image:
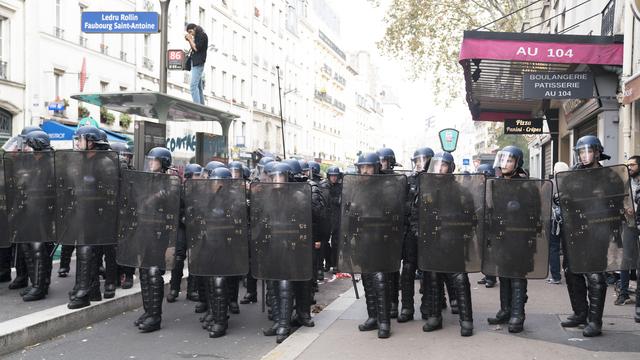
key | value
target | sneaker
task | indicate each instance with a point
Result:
(554, 281)
(623, 299)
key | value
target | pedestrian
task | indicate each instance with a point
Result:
(198, 43)
(629, 234)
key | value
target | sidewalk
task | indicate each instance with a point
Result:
(336, 332)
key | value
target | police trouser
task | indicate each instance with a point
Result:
(38, 258)
(591, 286)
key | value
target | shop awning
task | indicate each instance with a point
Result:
(61, 132)
(494, 64)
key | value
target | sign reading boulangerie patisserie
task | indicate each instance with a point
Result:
(527, 126)
(557, 85)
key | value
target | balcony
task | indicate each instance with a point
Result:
(123, 56)
(82, 41)
(3, 70)
(104, 48)
(58, 32)
(147, 63)
(608, 19)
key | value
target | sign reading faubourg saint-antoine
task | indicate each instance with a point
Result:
(529, 126)
(557, 85)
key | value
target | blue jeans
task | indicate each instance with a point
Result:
(554, 256)
(197, 92)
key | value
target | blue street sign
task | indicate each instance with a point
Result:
(465, 162)
(119, 22)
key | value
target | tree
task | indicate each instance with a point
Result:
(426, 34)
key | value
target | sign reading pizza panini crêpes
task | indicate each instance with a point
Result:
(557, 85)
(518, 126)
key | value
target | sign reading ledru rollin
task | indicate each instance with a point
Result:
(557, 85)
(119, 22)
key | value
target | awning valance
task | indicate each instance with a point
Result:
(494, 64)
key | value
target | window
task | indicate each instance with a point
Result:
(57, 82)
(265, 96)
(223, 84)
(213, 31)
(201, 16)
(4, 47)
(123, 88)
(187, 11)
(234, 88)
(242, 91)
(58, 10)
(254, 90)
(104, 86)
(225, 41)
(273, 95)
(146, 46)
(243, 47)
(272, 17)
(213, 80)
(234, 39)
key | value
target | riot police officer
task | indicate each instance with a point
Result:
(588, 152)
(332, 186)
(421, 160)
(233, 282)
(125, 155)
(513, 291)
(443, 163)
(376, 285)
(488, 281)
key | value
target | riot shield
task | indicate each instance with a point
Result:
(4, 226)
(518, 216)
(217, 227)
(450, 222)
(372, 223)
(281, 242)
(86, 197)
(149, 205)
(30, 195)
(597, 208)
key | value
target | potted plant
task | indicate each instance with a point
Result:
(125, 120)
(103, 114)
(83, 112)
(110, 119)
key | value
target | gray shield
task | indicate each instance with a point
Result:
(518, 216)
(372, 223)
(217, 227)
(4, 226)
(594, 205)
(31, 196)
(148, 215)
(281, 242)
(86, 197)
(450, 225)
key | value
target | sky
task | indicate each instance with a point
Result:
(361, 25)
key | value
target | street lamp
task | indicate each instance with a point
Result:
(164, 28)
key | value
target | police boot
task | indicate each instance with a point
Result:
(302, 292)
(233, 286)
(518, 299)
(200, 294)
(22, 275)
(383, 304)
(597, 294)
(637, 315)
(220, 322)
(84, 278)
(5, 265)
(65, 260)
(393, 284)
(451, 293)
(370, 299)
(210, 298)
(578, 298)
(275, 312)
(156, 282)
(29, 261)
(463, 292)
(96, 264)
(433, 293)
(407, 284)
(252, 291)
(111, 271)
(192, 288)
(145, 291)
(40, 272)
(503, 315)
(176, 280)
(285, 300)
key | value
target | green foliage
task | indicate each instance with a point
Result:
(125, 120)
(83, 112)
(427, 34)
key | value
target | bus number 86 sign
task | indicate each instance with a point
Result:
(175, 59)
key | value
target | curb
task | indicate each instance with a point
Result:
(27, 330)
(302, 338)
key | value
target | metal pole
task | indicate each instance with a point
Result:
(284, 151)
(164, 29)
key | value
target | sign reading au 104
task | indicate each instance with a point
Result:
(119, 22)
(557, 85)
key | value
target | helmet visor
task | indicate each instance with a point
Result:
(16, 143)
(152, 164)
(421, 162)
(278, 176)
(584, 155)
(506, 162)
(439, 166)
(236, 173)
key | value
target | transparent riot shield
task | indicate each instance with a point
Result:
(518, 216)
(4, 226)
(597, 209)
(149, 205)
(450, 222)
(372, 223)
(30, 195)
(281, 241)
(217, 227)
(87, 185)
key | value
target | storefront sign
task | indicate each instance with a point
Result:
(449, 139)
(519, 127)
(557, 85)
(631, 90)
